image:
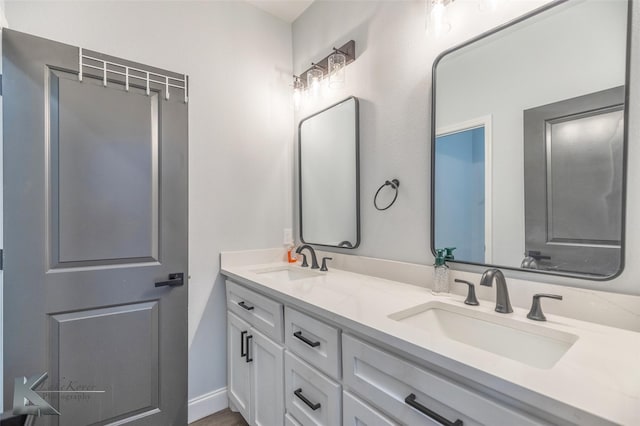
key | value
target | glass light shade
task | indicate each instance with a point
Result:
(296, 98)
(314, 78)
(337, 63)
(297, 92)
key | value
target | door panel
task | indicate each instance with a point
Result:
(95, 212)
(107, 147)
(80, 340)
(573, 167)
(584, 179)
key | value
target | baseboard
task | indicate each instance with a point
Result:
(207, 404)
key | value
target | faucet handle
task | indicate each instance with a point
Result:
(304, 260)
(471, 295)
(536, 309)
(324, 263)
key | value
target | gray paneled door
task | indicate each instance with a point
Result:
(574, 168)
(95, 213)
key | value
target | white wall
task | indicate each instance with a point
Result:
(240, 129)
(392, 78)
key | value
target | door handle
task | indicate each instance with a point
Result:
(175, 280)
(245, 306)
(242, 350)
(248, 357)
(298, 334)
(537, 255)
(411, 401)
(312, 405)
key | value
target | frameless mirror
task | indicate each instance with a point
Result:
(329, 176)
(529, 142)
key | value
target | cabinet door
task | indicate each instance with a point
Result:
(238, 368)
(267, 380)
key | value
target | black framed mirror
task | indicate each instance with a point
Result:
(328, 176)
(529, 141)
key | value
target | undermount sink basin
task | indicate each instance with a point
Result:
(286, 273)
(529, 344)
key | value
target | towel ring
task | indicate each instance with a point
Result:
(395, 184)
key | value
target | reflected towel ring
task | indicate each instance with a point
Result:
(395, 184)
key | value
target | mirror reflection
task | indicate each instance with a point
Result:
(528, 146)
(328, 176)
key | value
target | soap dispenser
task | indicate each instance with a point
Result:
(440, 274)
(448, 255)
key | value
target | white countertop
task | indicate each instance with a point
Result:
(597, 379)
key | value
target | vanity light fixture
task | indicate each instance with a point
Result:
(437, 17)
(337, 62)
(332, 66)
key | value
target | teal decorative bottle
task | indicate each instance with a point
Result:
(440, 274)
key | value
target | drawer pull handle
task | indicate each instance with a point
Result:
(242, 350)
(245, 306)
(248, 359)
(298, 393)
(299, 335)
(411, 401)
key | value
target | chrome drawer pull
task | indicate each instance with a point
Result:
(245, 306)
(298, 393)
(299, 335)
(411, 401)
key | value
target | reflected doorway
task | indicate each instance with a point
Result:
(462, 186)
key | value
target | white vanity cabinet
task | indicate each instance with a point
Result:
(255, 371)
(287, 367)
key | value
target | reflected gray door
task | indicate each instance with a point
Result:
(95, 213)
(573, 169)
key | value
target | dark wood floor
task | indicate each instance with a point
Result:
(222, 418)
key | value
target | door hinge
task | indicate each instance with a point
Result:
(0, 84)
(1, 260)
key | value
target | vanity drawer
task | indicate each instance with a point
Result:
(310, 397)
(407, 392)
(316, 342)
(258, 310)
(357, 413)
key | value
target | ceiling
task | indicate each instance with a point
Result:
(287, 10)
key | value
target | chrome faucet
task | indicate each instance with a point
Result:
(503, 305)
(314, 259)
